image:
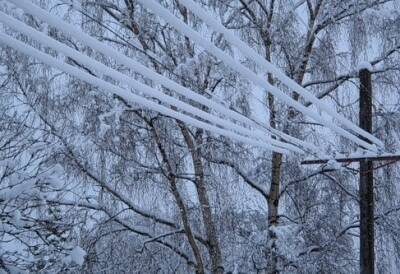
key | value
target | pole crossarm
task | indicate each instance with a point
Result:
(355, 158)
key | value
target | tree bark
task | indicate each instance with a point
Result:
(273, 196)
(209, 225)
(276, 161)
(273, 204)
(179, 201)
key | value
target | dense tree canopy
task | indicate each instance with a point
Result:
(93, 183)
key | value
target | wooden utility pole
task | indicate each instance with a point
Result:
(366, 184)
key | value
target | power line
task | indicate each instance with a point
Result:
(95, 65)
(273, 131)
(198, 38)
(103, 85)
(139, 68)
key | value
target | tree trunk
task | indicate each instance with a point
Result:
(186, 226)
(276, 162)
(209, 225)
(181, 206)
(273, 203)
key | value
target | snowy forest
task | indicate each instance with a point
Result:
(167, 136)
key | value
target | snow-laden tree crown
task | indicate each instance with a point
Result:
(147, 136)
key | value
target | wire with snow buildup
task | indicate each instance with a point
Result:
(101, 68)
(105, 86)
(137, 67)
(238, 67)
(269, 67)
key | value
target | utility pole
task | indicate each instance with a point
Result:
(366, 183)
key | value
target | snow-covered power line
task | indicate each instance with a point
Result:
(32, 9)
(108, 87)
(236, 66)
(116, 75)
(269, 67)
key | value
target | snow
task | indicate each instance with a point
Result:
(83, 59)
(288, 240)
(14, 270)
(6, 6)
(76, 5)
(77, 256)
(55, 176)
(359, 153)
(17, 219)
(14, 191)
(248, 52)
(36, 11)
(107, 87)
(103, 126)
(363, 154)
(333, 164)
(95, 44)
(385, 14)
(365, 65)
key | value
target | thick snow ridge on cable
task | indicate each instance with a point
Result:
(157, 78)
(99, 67)
(236, 66)
(228, 60)
(139, 68)
(105, 86)
(269, 67)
